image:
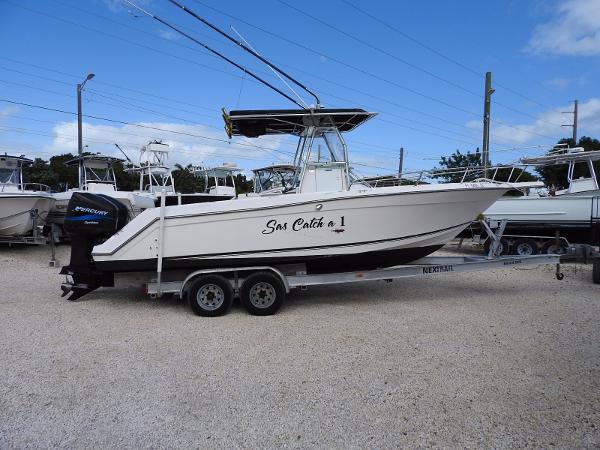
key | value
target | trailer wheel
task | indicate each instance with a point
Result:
(596, 271)
(210, 295)
(262, 294)
(550, 247)
(503, 250)
(525, 247)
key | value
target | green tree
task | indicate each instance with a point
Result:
(242, 184)
(65, 177)
(185, 180)
(39, 172)
(451, 169)
(556, 176)
(126, 181)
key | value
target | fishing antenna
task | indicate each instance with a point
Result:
(246, 48)
(117, 145)
(272, 70)
(220, 55)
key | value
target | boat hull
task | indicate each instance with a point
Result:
(16, 212)
(575, 217)
(331, 231)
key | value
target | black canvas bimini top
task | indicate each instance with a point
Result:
(254, 123)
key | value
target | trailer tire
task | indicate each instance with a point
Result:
(503, 246)
(262, 293)
(596, 271)
(525, 247)
(210, 295)
(550, 247)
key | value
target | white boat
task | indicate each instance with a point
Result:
(325, 224)
(22, 205)
(156, 177)
(219, 182)
(574, 211)
(97, 175)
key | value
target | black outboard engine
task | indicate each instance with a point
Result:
(90, 220)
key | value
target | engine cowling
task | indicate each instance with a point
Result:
(96, 215)
(90, 219)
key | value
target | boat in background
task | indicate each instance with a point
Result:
(274, 179)
(23, 206)
(219, 182)
(532, 220)
(96, 175)
(156, 177)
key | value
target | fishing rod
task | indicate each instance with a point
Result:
(220, 55)
(246, 48)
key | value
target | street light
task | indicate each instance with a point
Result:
(79, 123)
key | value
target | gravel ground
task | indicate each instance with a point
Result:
(508, 358)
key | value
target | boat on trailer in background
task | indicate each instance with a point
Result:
(96, 175)
(24, 207)
(533, 220)
(156, 177)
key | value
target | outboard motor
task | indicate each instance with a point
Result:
(90, 220)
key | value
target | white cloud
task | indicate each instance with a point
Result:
(8, 111)
(574, 31)
(116, 6)
(168, 34)
(546, 126)
(186, 144)
(564, 82)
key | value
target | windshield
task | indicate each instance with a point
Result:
(9, 176)
(335, 147)
(266, 180)
(103, 175)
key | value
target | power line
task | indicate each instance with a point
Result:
(436, 52)
(149, 127)
(379, 49)
(395, 57)
(350, 66)
(340, 62)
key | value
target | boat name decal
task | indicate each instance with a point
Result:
(438, 269)
(304, 224)
(90, 210)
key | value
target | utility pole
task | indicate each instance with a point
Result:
(486, 122)
(401, 162)
(80, 125)
(574, 124)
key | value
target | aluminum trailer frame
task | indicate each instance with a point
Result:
(430, 266)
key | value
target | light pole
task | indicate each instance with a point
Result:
(79, 123)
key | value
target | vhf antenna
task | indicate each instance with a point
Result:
(117, 145)
(272, 70)
(220, 55)
(248, 49)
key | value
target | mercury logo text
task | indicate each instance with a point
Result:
(90, 210)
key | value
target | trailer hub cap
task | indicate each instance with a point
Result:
(262, 295)
(210, 297)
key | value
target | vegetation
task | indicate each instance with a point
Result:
(556, 176)
(451, 169)
(60, 177)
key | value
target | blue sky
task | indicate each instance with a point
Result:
(420, 65)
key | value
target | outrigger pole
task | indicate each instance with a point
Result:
(220, 55)
(248, 49)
